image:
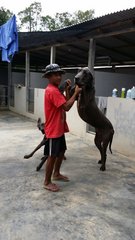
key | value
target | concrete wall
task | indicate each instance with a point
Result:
(105, 82)
(20, 105)
(36, 80)
(18, 78)
(121, 112)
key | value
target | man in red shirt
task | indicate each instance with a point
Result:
(55, 105)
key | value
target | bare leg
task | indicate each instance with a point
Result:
(56, 175)
(49, 169)
(38, 147)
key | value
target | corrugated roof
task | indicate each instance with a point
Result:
(39, 39)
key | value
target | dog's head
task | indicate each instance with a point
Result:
(84, 78)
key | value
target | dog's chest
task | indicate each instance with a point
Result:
(82, 107)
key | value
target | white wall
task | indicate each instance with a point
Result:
(20, 105)
(121, 112)
(18, 78)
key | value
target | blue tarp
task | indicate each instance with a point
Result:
(9, 39)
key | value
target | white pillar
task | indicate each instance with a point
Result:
(91, 55)
(52, 54)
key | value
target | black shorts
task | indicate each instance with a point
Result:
(55, 146)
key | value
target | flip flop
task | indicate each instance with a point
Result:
(52, 187)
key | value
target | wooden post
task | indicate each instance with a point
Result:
(52, 54)
(91, 55)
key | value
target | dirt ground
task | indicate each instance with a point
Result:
(94, 205)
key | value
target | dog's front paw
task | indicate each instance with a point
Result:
(99, 162)
(103, 168)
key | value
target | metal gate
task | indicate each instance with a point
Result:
(3, 96)
(30, 100)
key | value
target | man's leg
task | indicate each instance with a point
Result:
(57, 175)
(49, 169)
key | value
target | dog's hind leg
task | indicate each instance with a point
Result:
(98, 141)
(104, 156)
(105, 141)
(43, 159)
(37, 148)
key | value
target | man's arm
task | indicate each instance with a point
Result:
(71, 101)
(67, 89)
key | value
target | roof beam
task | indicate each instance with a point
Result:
(113, 50)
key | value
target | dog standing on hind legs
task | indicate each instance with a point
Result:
(90, 113)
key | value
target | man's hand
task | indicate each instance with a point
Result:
(68, 84)
(77, 90)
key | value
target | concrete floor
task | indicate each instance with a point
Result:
(94, 205)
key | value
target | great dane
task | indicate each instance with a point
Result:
(90, 113)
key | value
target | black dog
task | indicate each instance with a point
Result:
(40, 126)
(90, 113)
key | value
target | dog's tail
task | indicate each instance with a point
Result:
(39, 123)
(110, 143)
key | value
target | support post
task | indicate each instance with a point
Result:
(52, 54)
(27, 76)
(9, 82)
(91, 55)
(27, 69)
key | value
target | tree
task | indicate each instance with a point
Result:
(48, 23)
(81, 16)
(5, 14)
(65, 19)
(30, 17)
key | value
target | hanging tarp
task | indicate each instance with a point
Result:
(9, 39)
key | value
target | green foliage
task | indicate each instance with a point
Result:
(5, 14)
(65, 19)
(81, 16)
(30, 17)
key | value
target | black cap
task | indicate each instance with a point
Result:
(52, 68)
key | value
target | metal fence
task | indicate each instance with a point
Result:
(12, 96)
(30, 100)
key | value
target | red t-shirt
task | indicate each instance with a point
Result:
(55, 124)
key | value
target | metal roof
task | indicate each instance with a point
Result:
(115, 42)
(119, 21)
